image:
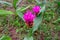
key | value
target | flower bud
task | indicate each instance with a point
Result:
(29, 18)
(36, 9)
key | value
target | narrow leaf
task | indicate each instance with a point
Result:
(20, 14)
(4, 12)
(42, 9)
(38, 1)
(58, 3)
(28, 38)
(20, 10)
(19, 2)
(23, 8)
(14, 3)
(6, 3)
(37, 22)
(5, 37)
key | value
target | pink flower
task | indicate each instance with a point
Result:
(29, 17)
(36, 9)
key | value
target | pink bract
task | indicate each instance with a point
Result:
(36, 9)
(28, 16)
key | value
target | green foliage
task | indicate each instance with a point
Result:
(48, 16)
(5, 37)
(57, 28)
(58, 10)
(16, 23)
(42, 9)
(41, 2)
(6, 3)
(20, 14)
(29, 0)
(37, 22)
(57, 21)
(38, 1)
(20, 10)
(45, 28)
(18, 2)
(19, 30)
(4, 12)
(14, 3)
(28, 38)
(58, 3)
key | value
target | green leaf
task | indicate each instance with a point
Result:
(23, 8)
(42, 9)
(5, 37)
(57, 28)
(56, 21)
(20, 10)
(16, 23)
(14, 3)
(20, 14)
(37, 22)
(6, 3)
(4, 12)
(58, 3)
(28, 38)
(38, 1)
(18, 2)
(17, 30)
